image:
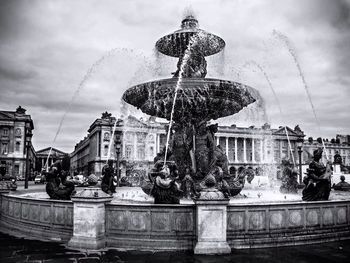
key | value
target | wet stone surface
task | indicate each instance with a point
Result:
(22, 250)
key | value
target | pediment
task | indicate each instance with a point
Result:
(54, 151)
(282, 131)
(134, 122)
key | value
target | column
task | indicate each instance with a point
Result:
(89, 219)
(253, 151)
(236, 152)
(217, 140)
(244, 150)
(227, 147)
(281, 151)
(261, 151)
(157, 143)
(135, 146)
(211, 224)
(124, 146)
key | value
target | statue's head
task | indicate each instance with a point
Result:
(342, 178)
(318, 153)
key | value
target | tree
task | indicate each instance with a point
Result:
(310, 140)
(319, 140)
(332, 140)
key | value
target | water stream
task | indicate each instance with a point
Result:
(88, 74)
(285, 40)
(192, 42)
(255, 64)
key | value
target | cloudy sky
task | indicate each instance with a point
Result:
(76, 58)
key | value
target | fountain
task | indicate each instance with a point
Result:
(191, 165)
(189, 101)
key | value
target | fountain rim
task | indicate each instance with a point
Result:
(191, 80)
(209, 52)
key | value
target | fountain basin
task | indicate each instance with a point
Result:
(252, 222)
(198, 98)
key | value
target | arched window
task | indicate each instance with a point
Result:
(106, 150)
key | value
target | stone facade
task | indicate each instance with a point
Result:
(13, 145)
(343, 149)
(141, 140)
(42, 155)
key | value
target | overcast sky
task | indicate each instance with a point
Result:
(47, 48)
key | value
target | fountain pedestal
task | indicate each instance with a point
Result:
(89, 219)
(211, 217)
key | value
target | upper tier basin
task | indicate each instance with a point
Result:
(197, 98)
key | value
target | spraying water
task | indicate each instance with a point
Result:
(178, 84)
(253, 63)
(88, 74)
(291, 50)
(111, 141)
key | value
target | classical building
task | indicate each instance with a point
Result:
(141, 140)
(42, 155)
(15, 143)
(332, 148)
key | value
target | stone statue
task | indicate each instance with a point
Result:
(203, 150)
(165, 189)
(107, 183)
(342, 185)
(337, 158)
(192, 65)
(57, 186)
(289, 178)
(180, 146)
(318, 179)
(237, 183)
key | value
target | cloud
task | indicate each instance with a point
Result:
(47, 48)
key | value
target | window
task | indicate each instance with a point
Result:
(151, 151)
(128, 152)
(5, 132)
(106, 150)
(141, 153)
(106, 136)
(18, 146)
(16, 169)
(4, 148)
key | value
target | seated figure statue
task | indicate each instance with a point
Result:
(57, 186)
(165, 189)
(318, 179)
(342, 185)
(289, 178)
(107, 183)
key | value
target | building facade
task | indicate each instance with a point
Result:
(16, 150)
(43, 159)
(141, 140)
(332, 148)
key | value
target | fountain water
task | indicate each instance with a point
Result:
(191, 100)
(292, 52)
(253, 63)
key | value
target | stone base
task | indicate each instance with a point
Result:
(220, 247)
(86, 243)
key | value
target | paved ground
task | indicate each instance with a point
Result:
(21, 250)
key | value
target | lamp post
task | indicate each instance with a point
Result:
(117, 148)
(28, 135)
(300, 142)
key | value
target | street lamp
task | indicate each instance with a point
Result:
(300, 142)
(28, 135)
(118, 143)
